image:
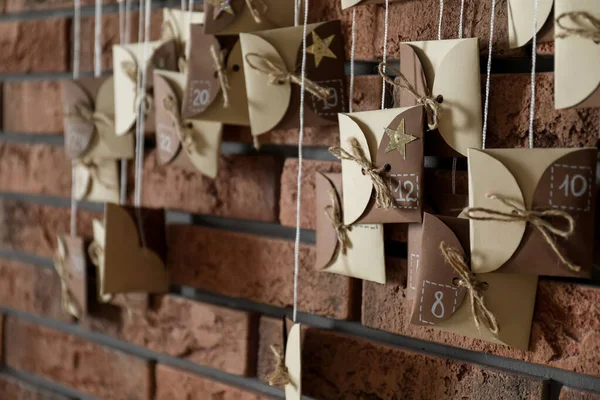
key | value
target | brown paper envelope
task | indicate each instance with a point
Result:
(160, 55)
(277, 14)
(536, 179)
(366, 258)
(293, 362)
(440, 304)
(203, 97)
(352, 3)
(404, 176)
(88, 139)
(449, 68)
(206, 135)
(74, 275)
(277, 105)
(97, 181)
(520, 22)
(451, 205)
(414, 257)
(135, 250)
(176, 25)
(577, 60)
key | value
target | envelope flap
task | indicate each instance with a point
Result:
(206, 136)
(125, 85)
(405, 152)
(79, 131)
(350, 3)
(293, 363)
(411, 68)
(176, 24)
(98, 230)
(220, 17)
(327, 243)
(168, 143)
(72, 250)
(487, 176)
(520, 17)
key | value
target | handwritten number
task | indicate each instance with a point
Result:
(577, 185)
(438, 304)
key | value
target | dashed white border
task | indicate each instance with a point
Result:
(410, 270)
(418, 192)
(343, 99)
(590, 187)
(423, 295)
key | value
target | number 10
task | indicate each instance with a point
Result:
(576, 189)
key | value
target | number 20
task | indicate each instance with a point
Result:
(572, 184)
(200, 97)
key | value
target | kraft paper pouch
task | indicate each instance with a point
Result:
(443, 303)
(274, 103)
(520, 22)
(176, 26)
(374, 131)
(576, 71)
(450, 69)
(190, 144)
(539, 180)
(70, 264)
(215, 88)
(127, 59)
(230, 17)
(134, 251)
(364, 257)
(96, 180)
(352, 3)
(88, 106)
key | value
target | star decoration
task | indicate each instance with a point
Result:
(220, 6)
(320, 48)
(399, 139)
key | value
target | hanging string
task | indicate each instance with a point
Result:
(124, 24)
(533, 62)
(440, 19)
(127, 22)
(352, 57)
(297, 6)
(385, 40)
(76, 62)
(121, 21)
(462, 15)
(488, 76)
(182, 5)
(299, 187)
(190, 11)
(98, 40)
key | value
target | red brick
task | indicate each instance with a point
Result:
(13, 389)
(31, 289)
(270, 332)
(34, 46)
(574, 394)
(11, 6)
(204, 334)
(32, 107)
(257, 268)
(71, 361)
(172, 383)
(565, 332)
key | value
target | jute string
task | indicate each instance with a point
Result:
(592, 32)
(69, 303)
(383, 194)
(257, 8)
(334, 213)
(431, 104)
(280, 377)
(481, 314)
(80, 111)
(219, 60)
(540, 219)
(183, 129)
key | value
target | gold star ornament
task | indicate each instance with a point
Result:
(399, 139)
(320, 48)
(220, 6)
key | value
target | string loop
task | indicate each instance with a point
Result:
(591, 32)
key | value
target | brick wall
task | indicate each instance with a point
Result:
(231, 247)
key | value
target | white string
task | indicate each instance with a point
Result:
(297, 6)
(460, 36)
(462, 15)
(182, 5)
(440, 20)
(121, 21)
(487, 78)
(98, 40)
(190, 11)
(533, 62)
(352, 57)
(123, 32)
(385, 40)
(127, 22)
(76, 49)
(299, 187)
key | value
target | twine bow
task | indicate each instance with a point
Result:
(255, 11)
(96, 254)
(589, 32)
(81, 111)
(69, 302)
(183, 129)
(383, 193)
(219, 60)
(539, 219)
(431, 104)
(481, 314)
(334, 212)
(278, 75)
(131, 71)
(280, 377)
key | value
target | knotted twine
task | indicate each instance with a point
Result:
(280, 377)
(334, 213)
(92, 167)
(481, 314)
(80, 111)
(591, 32)
(539, 219)
(219, 60)
(131, 71)
(431, 104)
(183, 129)
(383, 194)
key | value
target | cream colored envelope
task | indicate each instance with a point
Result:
(293, 362)
(92, 137)
(176, 25)
(520, 22)
(70, 264)
(98, 248)
(126, 61)
(577, 59)
(204, 147)
(535, 179)
(239, 18)
(96, 181)
(352, 3)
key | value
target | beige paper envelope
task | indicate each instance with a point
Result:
(176, 25)
(206, 135)
(538, 179)
(293, 362)
(414, 258)
(99, 235)
(577, 60)
(520, 22)
(71, 267)
(352, 3)
(273, 14)
(97, 181)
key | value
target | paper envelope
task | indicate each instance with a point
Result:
(537, 179)
(365, 259)
(352, 3)
(520, 22)
(96, 180)
(293, 362)
(203, 97)
(135, 250)
(405, 174)
(272, 14)
(71, 265)
(441, 304)
(88, 106)
(415, 232)
(126, 61)
(450, 69)
(204, 147)
(577, 59)
(276, 104)
(176, 26)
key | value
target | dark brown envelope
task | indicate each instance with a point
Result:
(242, 20)
(415, 233)
(75, 273)
(450, 205)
